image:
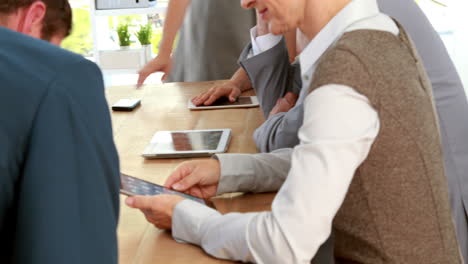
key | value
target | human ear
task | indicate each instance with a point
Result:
(33, 19)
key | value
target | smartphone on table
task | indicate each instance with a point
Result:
(126, 105)
(133, 186)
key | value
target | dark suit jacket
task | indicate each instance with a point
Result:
(59, 169)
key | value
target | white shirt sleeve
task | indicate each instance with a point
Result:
(339, 128)
(262, 43)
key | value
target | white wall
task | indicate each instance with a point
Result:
(459, 54)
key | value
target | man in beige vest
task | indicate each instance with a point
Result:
(369, 164)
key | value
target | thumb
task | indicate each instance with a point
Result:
(233, 95)
(186, 183)
(140, 202)
(182, 171)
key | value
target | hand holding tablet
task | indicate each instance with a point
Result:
(133, 186)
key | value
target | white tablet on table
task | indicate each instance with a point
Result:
(187, 143)
(223, 102)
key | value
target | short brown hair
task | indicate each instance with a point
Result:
(57, 20)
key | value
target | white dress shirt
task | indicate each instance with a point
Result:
(339, 128)
(262, 43)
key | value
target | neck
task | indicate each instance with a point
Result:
(12, 20)
(317, 14)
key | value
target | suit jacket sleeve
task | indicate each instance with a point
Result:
(280, 130)
(262, 172)
(272, 76)
(269, 73)
(68, 203)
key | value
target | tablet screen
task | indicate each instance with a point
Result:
(133, 186)
(242, 100)
(186, 141)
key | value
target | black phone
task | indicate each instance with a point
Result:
(133, 186)
(126, 104)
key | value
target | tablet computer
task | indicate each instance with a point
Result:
(187, 143)
(223, 102)
(133, 186)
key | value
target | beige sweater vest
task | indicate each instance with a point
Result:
(396, 209)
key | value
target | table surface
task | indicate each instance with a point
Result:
(164, 107)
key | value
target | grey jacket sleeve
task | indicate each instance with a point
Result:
(263, 172)
(280, 130)
(270, 73)
(272, 76)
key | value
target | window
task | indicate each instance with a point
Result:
(80, 41)
(449, 19)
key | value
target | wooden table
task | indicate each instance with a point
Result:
(164, 107)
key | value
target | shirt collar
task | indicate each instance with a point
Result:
(354, 12)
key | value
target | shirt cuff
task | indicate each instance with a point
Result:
(237, 173)
(264, 42)
(187, 220)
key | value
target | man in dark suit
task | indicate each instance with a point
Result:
(59, 169)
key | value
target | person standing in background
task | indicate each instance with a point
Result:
(213, 34)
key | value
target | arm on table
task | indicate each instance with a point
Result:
(269, 72)
(239, 172)
(280, 130)
(69, 203)
(240, 80)
(322, 169)
(238, 83)
(273, 76)
(263, 172)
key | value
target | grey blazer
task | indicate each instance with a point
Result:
(280, 131)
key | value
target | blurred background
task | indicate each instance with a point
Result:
(95, 31)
